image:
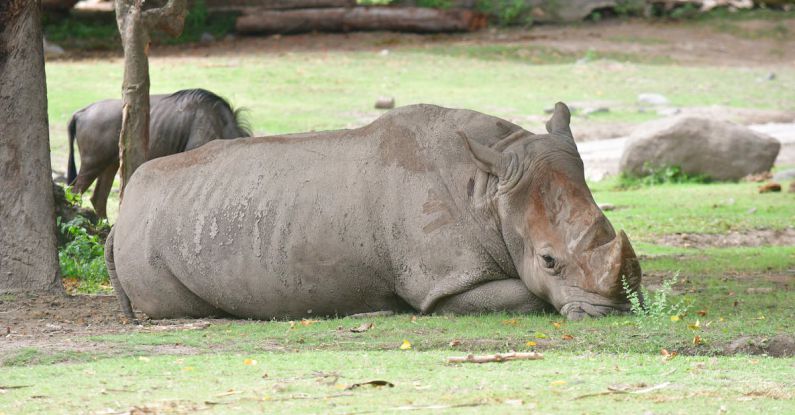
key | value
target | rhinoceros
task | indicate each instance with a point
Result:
(178, 122)
(427, 209)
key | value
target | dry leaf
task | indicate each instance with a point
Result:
(454, 343)
(362, 328)
(229, 393)
(307, 323)
(668, 355)
(701, 313)
(414, 319)
(540, 335)
(567, 337)
(674, 318)
(144, 358)
(250, 362)
(406, 345)
(187, 368)
(697, 341)
(531, 343)
(694, 326)
(556, 324)
(292, 324)
(558, 383)
(510, 322)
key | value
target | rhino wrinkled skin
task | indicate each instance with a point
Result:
(426, 209)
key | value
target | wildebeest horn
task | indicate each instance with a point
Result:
(559, 123)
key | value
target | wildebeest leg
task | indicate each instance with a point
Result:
(99, 199)
(502, 295)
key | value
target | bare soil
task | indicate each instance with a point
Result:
(753, 238)
(52, 324)
(754, 43)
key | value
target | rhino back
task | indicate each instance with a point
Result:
(332, 222)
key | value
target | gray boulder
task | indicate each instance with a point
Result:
(718, 149)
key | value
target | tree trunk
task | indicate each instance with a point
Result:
(401, 19)
(135, 25)
(28, 255)
(276, 4)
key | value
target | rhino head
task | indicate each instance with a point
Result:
(563, 247)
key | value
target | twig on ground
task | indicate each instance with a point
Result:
(499, 357)
(616, 390)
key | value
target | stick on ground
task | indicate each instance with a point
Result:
(499, 357)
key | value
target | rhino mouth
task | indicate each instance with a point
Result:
(579, 310)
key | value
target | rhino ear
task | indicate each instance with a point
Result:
(487, 159)
(559, 123)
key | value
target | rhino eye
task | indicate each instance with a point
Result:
(549, 262)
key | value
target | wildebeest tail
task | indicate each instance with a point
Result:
(71, 170)
(124, 300)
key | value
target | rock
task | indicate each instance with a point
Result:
(668, 112)
(207, 37)
(385, 103)
(595, 110)
(52, 50)
(653, 99)
(607, 207)
(770, 187)
(718, 149)
(788, 174)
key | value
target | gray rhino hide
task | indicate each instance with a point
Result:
(383, 217)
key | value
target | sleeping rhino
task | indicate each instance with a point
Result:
(427, 209)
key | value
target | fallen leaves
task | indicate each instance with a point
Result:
(363, 327)
(540, 335)
(675, 318)
(531, 343)
(455, 343)
(249, 362)
(556, 324)
(668, 355)
(697, 341)
(406, 345)
(303, 322)
(510, 322)
(567, 337)
(631, 389)
(695, 326)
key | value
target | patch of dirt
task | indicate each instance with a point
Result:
(55, 324)
(681, 42)
(753, 238)
(782, 345)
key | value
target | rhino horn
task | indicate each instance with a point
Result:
(559, 123)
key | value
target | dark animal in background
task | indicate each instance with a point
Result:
(178, 122)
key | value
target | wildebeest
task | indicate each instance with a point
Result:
(426, 209)
(178, 122)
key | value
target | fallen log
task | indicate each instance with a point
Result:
(398, 19)
(504, 357)
(246, 5)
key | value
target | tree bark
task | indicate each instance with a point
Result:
(135, 26)
(28, 254)
(276, 4)
(401, 19)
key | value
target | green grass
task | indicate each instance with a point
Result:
(561, 383)
(694, 208)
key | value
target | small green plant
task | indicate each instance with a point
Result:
(657, 175)
(654, 311)
(507, 12)
(83, 258)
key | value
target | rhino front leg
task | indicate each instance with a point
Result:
(502, 295)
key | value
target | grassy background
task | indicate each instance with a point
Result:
(305, 368)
